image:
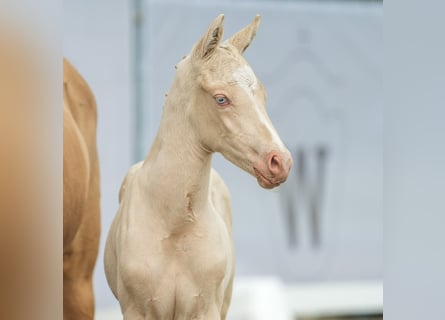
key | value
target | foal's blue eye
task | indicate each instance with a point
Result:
(221, 100)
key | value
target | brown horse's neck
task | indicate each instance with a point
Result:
(176, 171)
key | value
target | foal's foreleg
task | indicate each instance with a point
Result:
(133, 315)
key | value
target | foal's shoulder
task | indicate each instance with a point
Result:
(128, 178)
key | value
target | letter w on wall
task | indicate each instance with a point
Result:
(302, 196)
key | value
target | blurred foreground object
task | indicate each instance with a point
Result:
(30, 170)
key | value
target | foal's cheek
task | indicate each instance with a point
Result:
(229, 124)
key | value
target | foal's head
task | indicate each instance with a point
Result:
(228, 112)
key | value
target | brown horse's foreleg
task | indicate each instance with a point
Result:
(78, 266)
(78, 299)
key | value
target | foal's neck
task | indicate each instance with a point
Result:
(176, 171)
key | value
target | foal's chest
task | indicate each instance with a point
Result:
(202, 254)
(189, 271)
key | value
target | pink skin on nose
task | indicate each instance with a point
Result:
(274, 169)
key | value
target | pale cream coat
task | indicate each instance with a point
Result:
(169, 252)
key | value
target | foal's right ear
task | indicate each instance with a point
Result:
(211, 39)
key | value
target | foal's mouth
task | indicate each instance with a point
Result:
(264, 181)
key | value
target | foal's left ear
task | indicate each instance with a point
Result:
(242, 39)
(211, 39)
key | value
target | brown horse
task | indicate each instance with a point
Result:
(81, 195)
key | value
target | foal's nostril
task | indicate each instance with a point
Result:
(275, 165)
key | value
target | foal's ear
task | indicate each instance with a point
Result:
(242, 39)
(211, 39)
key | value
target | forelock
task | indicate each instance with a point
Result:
(245, 77)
